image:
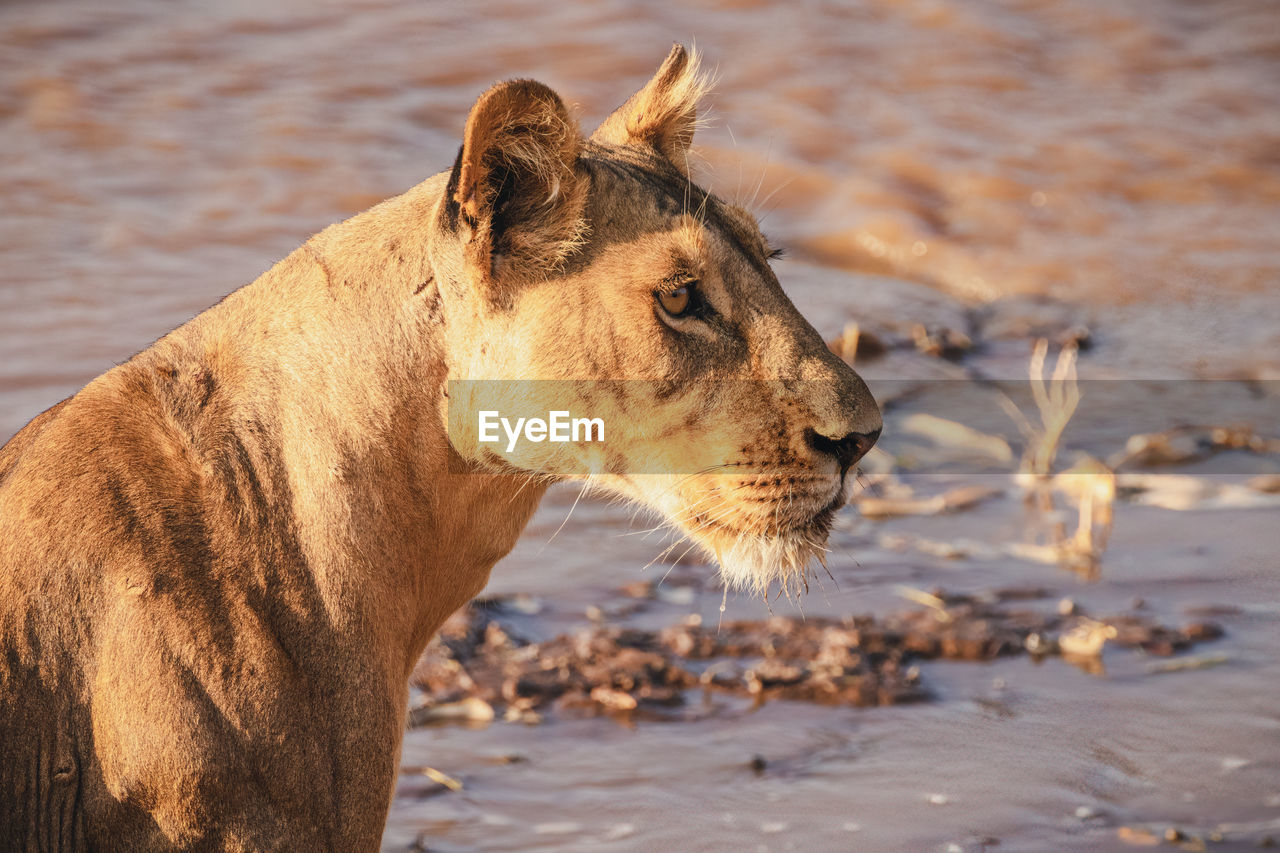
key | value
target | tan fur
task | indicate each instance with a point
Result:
(664, 114)
(220, 560)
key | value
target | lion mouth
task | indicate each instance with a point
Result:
(819, 524)
(778, 518)
(823, 517)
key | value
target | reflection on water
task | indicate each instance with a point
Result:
(986, 164)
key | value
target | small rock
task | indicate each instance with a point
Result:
(1087, 638)
(1137, 836)
(472, 709)
(614, 700)
(528, 716)
(758, 764)
(772, 671)
(1199, 632)
(1036, 644)
(1068, 607)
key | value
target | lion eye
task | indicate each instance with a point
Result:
(675, 302)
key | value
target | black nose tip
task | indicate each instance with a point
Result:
(847, 450)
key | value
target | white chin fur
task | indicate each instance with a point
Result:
(755, 564)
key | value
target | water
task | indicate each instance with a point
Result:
(969, 164)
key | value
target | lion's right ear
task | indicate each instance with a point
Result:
(515, 195)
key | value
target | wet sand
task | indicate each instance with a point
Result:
(971, 169)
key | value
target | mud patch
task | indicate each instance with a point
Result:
(479, 661)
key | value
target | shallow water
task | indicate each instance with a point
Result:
(993, 168)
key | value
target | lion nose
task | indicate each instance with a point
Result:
(847, 449)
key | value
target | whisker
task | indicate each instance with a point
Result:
(585, 484)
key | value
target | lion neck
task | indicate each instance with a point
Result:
(340, 350)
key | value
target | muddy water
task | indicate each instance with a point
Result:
(1003, 169)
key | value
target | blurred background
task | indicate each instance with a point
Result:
(953, 181)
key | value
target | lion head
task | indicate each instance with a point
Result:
(591, 275)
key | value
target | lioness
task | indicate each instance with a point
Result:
(220, 560)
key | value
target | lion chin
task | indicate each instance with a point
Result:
(754, 564)
(755, 546)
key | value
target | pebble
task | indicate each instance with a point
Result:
(1137, 836)
(613, 699)
(1087, 638)
(471, 709)
(1036, 644)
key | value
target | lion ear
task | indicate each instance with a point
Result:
(515, 193)
(664, 114)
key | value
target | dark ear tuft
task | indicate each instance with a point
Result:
(451, 206)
